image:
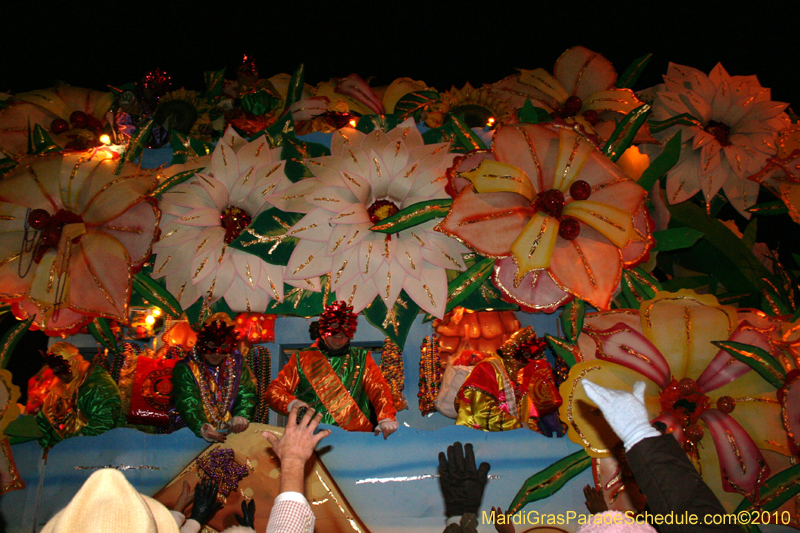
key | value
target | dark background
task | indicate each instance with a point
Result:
(96, 44)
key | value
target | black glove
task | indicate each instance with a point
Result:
(462, 484)
(205, 501)
(247, 519)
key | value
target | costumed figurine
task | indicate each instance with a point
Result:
(211, 387)
(512, 389)
(341, 381)
(83, 401)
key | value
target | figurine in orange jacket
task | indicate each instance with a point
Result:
(340, 381)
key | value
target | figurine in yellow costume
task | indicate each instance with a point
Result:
(83, 401)
(512, 389)
(341, 381)
(211, 387)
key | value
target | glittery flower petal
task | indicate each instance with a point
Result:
(742, 464)
(536, 291)
(583, 72)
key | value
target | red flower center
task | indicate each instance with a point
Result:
(381, 209)
(51, 228)
(234, 220)
(720, 131)
(684, 401)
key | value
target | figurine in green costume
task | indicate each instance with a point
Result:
(84, 401)
(211, 387)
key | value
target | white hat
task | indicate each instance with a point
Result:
(108, 503)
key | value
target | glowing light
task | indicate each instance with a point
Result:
(352, 123)
(105, 139)
(150, 320)
(156, 312)
(490, 122)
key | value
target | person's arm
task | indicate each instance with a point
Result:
(380, 396)
(291, 512)
(99, 401)
(281, 391)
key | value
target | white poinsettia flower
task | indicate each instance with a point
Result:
(368, 178)
(737, 126)
(201, 217)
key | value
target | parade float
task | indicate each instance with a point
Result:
(619, 222)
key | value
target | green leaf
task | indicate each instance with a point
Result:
(259, 103)
(684, 119)
(631, 74)
(102, 333)
(442, 135)
(572, 319)
(174, 180)
(396, 323)
(156, 294)
(295, 151)
(275, 134)
(720, 253)
(487, 298)
(300, 302)
(769, 208)
(266, 237)
(756, 358)
(625, 131)
(412, 104)
(294, 92)
(136, 144)
(547, 482)
(563, 349)
(749, 234)
(370, 123)
(675, 239)
(198, 312)
(532, 114)
(468, 282)
(663, 163)
(465, 135)
(7, 165)
(414, 215)
(41, 142)
(642, 284)
(215, 80)
(184, 147)
(687, 282)
(23, 429)
(775, 491)
(11, 339)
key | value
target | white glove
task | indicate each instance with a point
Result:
(624, 412)
(298, 402)
(387, 426)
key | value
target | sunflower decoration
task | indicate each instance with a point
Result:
(186, 112)
(479, 106)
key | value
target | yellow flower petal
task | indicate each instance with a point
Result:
(533, 247)
(573, 152)
(615, 224)
(494, 176)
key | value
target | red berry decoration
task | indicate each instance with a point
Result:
(59, 125)
(726, 404)
(38, 219)
(50, 237)
(78, 119)
(551, 202)
(693, 433)
(569, 228)
(94, 124)
(580, 190)
(572, 106)
(687, 386)
(591, 117)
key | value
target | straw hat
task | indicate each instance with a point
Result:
(108, 503)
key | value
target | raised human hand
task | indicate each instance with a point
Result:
(624, 412)
(205, 501)
(461, 481)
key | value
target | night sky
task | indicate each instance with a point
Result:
(443, 43)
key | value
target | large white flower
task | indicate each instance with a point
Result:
(202, 216)
(736, 129)
(367, 178)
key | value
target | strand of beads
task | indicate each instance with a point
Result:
(221, 466)
(216, 407)
(430, 374)
(394, 372)
(259, 359)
